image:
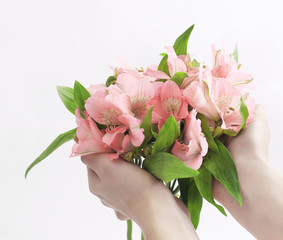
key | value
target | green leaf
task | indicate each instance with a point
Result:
(244, 112)
(181, 43)
(60, 140)
(146, 125)
(163, 54)
(167, 136)
(180, 47)
(167, 167)
(163, 66)
(191, 198)
(218, 131)
(207, 132)
(81, 94)
(178, 78)
(110, 80)
(184, 186)
(194, 203)
(195, 63)
(235, 53)
(67, 96)
(222, 167)
(203, 182)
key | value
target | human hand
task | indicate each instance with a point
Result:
(134, 193)
(261, 186)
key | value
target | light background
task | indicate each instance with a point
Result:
(49, 43)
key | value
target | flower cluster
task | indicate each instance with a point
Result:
(171, 119)
(114, 113)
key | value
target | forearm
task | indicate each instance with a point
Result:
(262, 210)
(164, 219)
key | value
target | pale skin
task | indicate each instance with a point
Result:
(135, 194)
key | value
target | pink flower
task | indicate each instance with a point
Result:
(218, 100)
(228, 101)
(194, 146)
(199, 95)
(169, 101)
(140, 90)
(113, 112)
(89, 137)
(175, 64)
(225, 66)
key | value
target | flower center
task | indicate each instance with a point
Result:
(171, 105)
(224, 104)
(138, 105)
(110, 117)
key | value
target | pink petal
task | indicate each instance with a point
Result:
(103, 111)
(109, 137)
(89, 146)
(175, 64)
(170, 90)
(156, 74)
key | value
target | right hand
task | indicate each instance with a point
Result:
(261, 186)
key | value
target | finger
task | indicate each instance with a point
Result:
(121, 216)
(107, 169)
(100, 163)
(94, 182)
(105, 204)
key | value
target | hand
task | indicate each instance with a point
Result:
(134, 193)
(261, 186)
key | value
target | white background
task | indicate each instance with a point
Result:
(49, 43)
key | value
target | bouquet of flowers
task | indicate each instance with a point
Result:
(170, 119)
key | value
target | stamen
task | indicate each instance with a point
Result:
(171, 105)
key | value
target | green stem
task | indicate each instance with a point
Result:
(142, 237)
(129, 229)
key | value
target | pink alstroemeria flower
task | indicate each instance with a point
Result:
(194, 146)
(175, 64)
(225, 66)
(89, 137)
(218, 100)
(199, 95)
(228, 101)
(113, 111)
(169, 101)
(140, 90)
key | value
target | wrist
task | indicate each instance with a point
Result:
(161, 217)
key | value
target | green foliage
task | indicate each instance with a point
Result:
(167, 167)
(207, 132)
(203, 182)
(110, 80)
(181, 43)
(179, 77)
(67, 96)
(221, 166)
(81, 94)
(146, 125)
(195, 63)
(235, 53)
(60, 140)
(163, 66)
(180, 47)
(194, 203)
(167, 136)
